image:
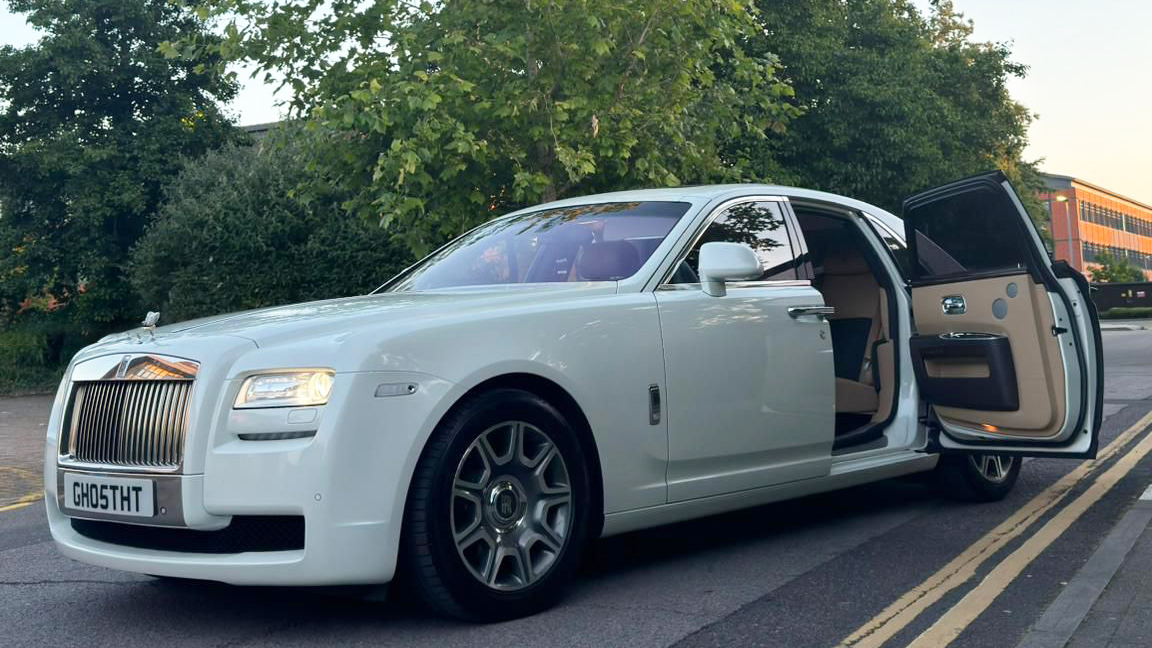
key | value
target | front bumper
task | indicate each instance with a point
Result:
(332, 555)
(348, 482)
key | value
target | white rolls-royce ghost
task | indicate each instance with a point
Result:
(575, 370)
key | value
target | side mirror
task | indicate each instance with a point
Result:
(720, 262)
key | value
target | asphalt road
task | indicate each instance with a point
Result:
(803, 573)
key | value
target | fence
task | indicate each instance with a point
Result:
(1122, 295)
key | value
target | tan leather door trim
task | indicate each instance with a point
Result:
(1027, 322)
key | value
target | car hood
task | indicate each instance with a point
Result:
(292, 322)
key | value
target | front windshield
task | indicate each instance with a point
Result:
(601, 242)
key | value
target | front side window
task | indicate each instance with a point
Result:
(600, 242)
(760, 226)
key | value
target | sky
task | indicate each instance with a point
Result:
(1089, 83)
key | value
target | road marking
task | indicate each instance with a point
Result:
(954, 621)
(20, 472)
(960, 569)
(1147, 494)
(27, 500)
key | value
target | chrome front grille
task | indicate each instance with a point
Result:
(139, 423)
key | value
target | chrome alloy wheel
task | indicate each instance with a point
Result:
(511, 506)
(994, 468)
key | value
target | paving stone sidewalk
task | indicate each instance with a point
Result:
(23, 422)
(1122, 616)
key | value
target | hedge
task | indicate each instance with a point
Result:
(231, 235)
(1127, 312)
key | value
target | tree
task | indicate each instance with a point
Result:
(1109, 269)
(442, 114)
(893, 101)
(93, 121)
(231, 236)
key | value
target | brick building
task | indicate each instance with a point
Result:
(1088, 220)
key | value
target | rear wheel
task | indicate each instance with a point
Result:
(498, 511)
(977, 478)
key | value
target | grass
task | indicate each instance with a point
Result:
(1127, 312)
(21, 381)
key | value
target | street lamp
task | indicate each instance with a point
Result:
(1067, 225)
(1048, 204)
(1061, 198)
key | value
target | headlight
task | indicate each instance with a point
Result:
(287, 389)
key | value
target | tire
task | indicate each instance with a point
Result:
(522, 515)
(977, 478)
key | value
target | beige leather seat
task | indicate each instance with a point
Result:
(859, 331)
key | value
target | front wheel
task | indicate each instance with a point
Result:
(977, 478)
(498, 512)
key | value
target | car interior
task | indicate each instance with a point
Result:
(851, 279)
(987, 353)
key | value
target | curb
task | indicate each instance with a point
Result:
(1062, 619)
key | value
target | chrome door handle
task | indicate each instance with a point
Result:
(953, 305)
(797, 311)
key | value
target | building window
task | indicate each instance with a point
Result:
(1115, 219)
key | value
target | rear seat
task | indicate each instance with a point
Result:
(857, 326)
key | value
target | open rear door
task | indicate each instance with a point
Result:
(1007, 343)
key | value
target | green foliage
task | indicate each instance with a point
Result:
(442, 115)
(19, 381)
(231, 236)
(1127, 312)
(22, 349)
(25, 357)
(894, 101)
(432, 117)
(1109, 269)
(93, 121)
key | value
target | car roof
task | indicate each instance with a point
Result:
(708, 193)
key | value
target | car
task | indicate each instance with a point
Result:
(574, 370)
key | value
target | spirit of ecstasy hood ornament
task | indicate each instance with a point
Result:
(150, 321)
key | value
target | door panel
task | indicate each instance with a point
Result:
(1007, 349)
(1027, 323)
(750, 393)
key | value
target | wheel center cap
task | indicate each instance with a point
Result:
(505, 504)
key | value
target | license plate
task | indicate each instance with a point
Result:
(113, 495)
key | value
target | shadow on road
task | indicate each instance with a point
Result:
(609, 558)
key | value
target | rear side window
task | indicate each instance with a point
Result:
(973, 231)
(760, 226)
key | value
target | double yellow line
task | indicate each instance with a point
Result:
(908, 607)
(27, 500)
